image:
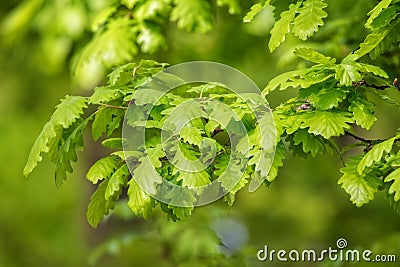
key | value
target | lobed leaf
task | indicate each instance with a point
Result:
(67, 152)
(362, 110)
(139, 202)
(311, 143)
(347, 73)
(374, 13)
(374, 69)
(191, 135)
(117, 180)
(228, 170)
(309, 19)
(295, 78)
(69, 110)
(375, 154)
(98, 205)
(279, 156)
(395, 186)
(105, 94)
(361, 187)
(374, 40)
(282, 27)
(327, 123)
(106, 120)
(41, 145)
(102, 169)
(193, 179)
(313, 56)
(112, 143)
(147, 175)
(254, 10)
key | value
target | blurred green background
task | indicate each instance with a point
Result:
(41, 225)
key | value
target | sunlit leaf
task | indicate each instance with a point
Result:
(309, 19)
(282, 27)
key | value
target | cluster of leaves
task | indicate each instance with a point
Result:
(333, 98)
(302, 19)
(201, 137)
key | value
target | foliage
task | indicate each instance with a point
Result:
(334, 97)
(36, 59)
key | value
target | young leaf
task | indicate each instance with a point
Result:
(69, 110)
(395, 186)
(362, 111)
(98, 205)
(385, 17)
(374, 13)
(361, 187)
(106, 120)
(280, 154)
(193, 179)
(324, 96)
(192, 135)
(227, 174)
(375, 154)
(293, 78)
(116, 182)
(327, 123)
(181, 212)
(105, 94)
(230, 197)
(67, 152)
(40, 146)
(112, 143)
(121, 74)
(262, 161)
(102, 169)
(313, 56)
(154, 154)
(254, 10)
(311, 143)
(282, 27)
(309, 19)
(374, 69)
(139, 202)
(147, 96)
(347, 73)
(374, 39)
(147, 176)
(267, 137)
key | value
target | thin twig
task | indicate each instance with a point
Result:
(378, 87)
(368, 141)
